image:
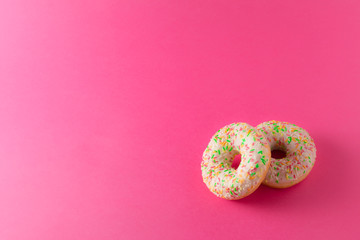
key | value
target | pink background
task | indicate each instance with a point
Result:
(107, 106)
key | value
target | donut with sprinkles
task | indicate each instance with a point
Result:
(300, 153)
(231, 140)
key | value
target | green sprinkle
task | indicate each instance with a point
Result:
(289, 140)
(231, 149)
(212, 156)
(277, 181)
(228, 140)
(276, 128)
(260, 152)
(252, 150)
(215, 140)
(257, 165)
(231, 192)
(277, 174)
(304, 171)
(263, 160)
(253, 174)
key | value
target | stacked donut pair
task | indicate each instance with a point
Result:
(256, 166)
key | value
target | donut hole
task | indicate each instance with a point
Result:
(278, 154)
(236, 161)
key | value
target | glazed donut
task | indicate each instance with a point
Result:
(231, 140)
(300, 153)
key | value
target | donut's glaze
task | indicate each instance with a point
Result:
(300, 153)
(231, 140)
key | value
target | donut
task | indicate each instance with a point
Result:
(231, 140)
(300, 153)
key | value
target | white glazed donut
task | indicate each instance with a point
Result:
(300, 153)
(231, 140)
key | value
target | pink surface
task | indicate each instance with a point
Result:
(107, 106)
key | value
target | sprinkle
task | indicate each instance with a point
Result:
(276, 128)
(263, 160)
